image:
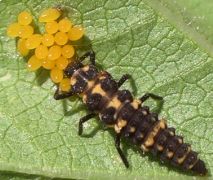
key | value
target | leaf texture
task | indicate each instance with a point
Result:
(38, 135)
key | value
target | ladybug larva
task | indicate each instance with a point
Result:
(127, 116)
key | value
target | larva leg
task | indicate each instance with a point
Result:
(123, 79)
(150, 95)
(117, 145)
(82, 121)
(60, 95)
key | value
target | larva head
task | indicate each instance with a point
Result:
(71, 68)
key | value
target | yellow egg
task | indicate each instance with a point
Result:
(33, 41)
(22, 47)
(54, 52)
(48, 64)
(65, 85)
(41, 52)
(51, 27)
(64, 25)
(68, 51)
(13, 30)
(75, 33)
(24, 18)
(61, 63)
(33, 63)
(56, 75)
(48, 39)
(49, 15)
(61, 38)
(26, 31)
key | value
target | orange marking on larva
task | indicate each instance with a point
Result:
(136, 103)
(132, 129)
(90, 84)
(102, 77)
(120, 124)
(73, 80)
(144, 148)
(117, 129)
(114, 103)
(85, 68)
(180, 160)
(180, 141)
(192, 165)
(150, 137)
(159, 147)
(170, 154)
(97, 89)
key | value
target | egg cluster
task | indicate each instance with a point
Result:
(51, 50)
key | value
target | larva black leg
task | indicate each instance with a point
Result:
(123, 79)
(59, 95)
(117, 145)
(91, 55)
(82, 121)
(150, 95)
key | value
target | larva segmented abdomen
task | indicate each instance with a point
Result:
(154, 136)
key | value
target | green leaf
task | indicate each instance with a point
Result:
(38, 135)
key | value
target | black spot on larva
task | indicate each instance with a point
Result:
(171, 145)
(154, 116)
(90, 74)
(138, 116)
(138, 137)
(109, 85)
(171, 130)
(80, 85)
(190, 160)
(124, 95)
(93, 101)
(145, 110)
(70, 69)
(107, 115)
(181, 152)
(126, 112)
(144, 127)
(162, 137)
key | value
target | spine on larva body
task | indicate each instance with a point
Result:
(153, 135)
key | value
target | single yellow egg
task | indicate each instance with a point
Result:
(48, 39)
(48, 64)
(26, 31)
(68, 51)
(56, 75)
(33, 41)
(61, 63)
(61, 38)
(49, 15)
(51, 27)
(24, 18)
(33, 63)
(54, 52)
(64, 25)
(13, 30)
(65, 85)
(75, 33)
(41, 52)
(22, 49)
